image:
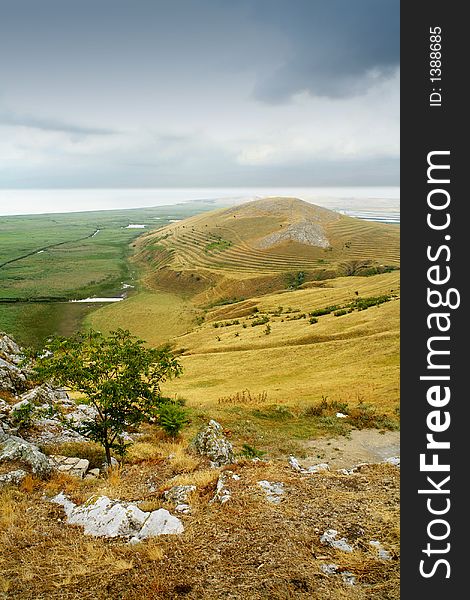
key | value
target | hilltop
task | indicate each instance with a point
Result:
(260, 247)
(271, 306)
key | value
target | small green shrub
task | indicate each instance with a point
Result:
(172, 418)
(22, 417)
(251, 452)
(340, 313)
(313, 320)
(365, 416)
(261, 321)
(319, 312)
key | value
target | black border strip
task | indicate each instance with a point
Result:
(428, 128)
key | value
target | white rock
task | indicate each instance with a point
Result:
(211, 442)
(383, 554)
(103, 517)
(348, 578)
(330, 569)
(160, 522)
(274, 490)
(318, 468)
(179, 493)
(329, 538)
(393, 460)
(294, 463)
(340, 415)
(13, 477)
(14, 448)
(75, 466)
(222, 492)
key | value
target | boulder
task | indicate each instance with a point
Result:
(103, 517)
(12, 378)
(13, 448)
(211, 442)
(9, 348)
(160, 522)
(12, 478)
(318, 468)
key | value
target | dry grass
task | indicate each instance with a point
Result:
(246, 548)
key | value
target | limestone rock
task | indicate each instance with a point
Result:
(160, 522)
(294, 463)
(393, 460)
(329, 538)
(14, 448)
(178, 494)
(383, 554)
(103, 517)
(77, 467)
(13, 477)
(222, 492)
(9, 348)
(12, 378)
(211, 442)
(274, 491)
(318, 468)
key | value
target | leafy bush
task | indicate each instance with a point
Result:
(340, 313)
(261, 321)
(324, 311)
(172, 418)
(326, 408)
(22, 417)
(313, 320)
(251, 452)
(365, 416)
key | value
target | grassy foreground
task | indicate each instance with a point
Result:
(246, 548)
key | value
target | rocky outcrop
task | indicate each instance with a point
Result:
(12, 477)
(74, 466)
(103, 517)
(17, 450)
(210, 441)
(13, 377)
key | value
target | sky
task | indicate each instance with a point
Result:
(189, 93)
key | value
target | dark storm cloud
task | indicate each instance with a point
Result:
(198, 92)
(338, 48)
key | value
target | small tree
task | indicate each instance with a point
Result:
(118, 376)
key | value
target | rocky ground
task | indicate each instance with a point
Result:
(181, 519)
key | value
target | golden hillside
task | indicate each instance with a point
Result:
(258, 246)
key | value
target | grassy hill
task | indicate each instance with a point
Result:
(238, 298)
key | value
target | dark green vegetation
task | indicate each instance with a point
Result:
(46, 260)
(119, 378)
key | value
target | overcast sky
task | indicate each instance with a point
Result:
(149, 93)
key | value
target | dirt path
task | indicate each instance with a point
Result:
(365, 445)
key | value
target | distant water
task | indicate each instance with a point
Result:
(372, 203)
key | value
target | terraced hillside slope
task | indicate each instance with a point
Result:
(263, 327)
(263, 246)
